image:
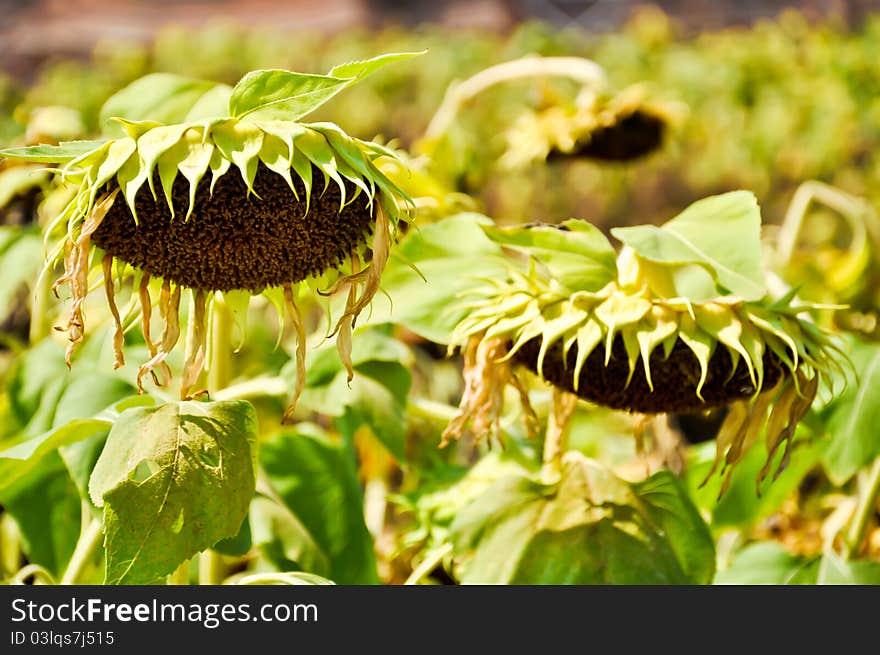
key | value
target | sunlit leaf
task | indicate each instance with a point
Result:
(703, 234)
(173, 480)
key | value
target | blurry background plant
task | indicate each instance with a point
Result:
(357, 490)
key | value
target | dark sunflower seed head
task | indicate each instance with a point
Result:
(236, 240)
(675, 378)
(631, 137)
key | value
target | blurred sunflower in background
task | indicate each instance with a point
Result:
(598, 125)
(221, 193)
(676, 322)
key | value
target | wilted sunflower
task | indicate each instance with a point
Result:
(603, 126)
(238, 197)
(680, 321)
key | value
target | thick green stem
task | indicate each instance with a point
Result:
(211, 568)
(220, 366)
(89, 541)
(41, 325)
(864, 510)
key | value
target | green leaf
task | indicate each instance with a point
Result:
(703, 234)
(284, 95)
(281, 95)
(834, 570)
(45, 505)
(18, 460)
(853, 417)
(452, 256)
(376, 396)
(213, 103)
(318, 484)
(238, 545)
(590, 528)
(162, 97)
(370, 346)
(80, 459)
(173, 480)
(21, 258)
(89, 395)
(60, 154)
(768, 563)
(364, 67)
(283, 540)
(580, 257)
(37, 370)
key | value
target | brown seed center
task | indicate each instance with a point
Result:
(234, 240)
(675, 378)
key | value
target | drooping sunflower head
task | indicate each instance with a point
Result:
(599, 125)
(230, 193)
(679, 321)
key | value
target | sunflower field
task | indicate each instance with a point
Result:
(444, 307)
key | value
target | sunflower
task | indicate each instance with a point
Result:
(237, 197)
(679, 321)
(604, 126)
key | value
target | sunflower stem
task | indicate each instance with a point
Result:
(865, 509)
(211, 568)
(584, 71)
(220, 366)
(89, 541)
(41, 325)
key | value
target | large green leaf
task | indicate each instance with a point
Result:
(768, 563)
(18, 460)
(281, 94)
(579, 256)
(453, 256)
(360, 69)
(318, 484)
(173, 480)
(21, 258)
(282, 539)
(853, 418)
(834, 570)
(66, 412)
(46, 506)
(590, 528)
(376, 396)
(162, 97)
(721, 233)
(46, 154)
(284, 95)
(39, 372)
